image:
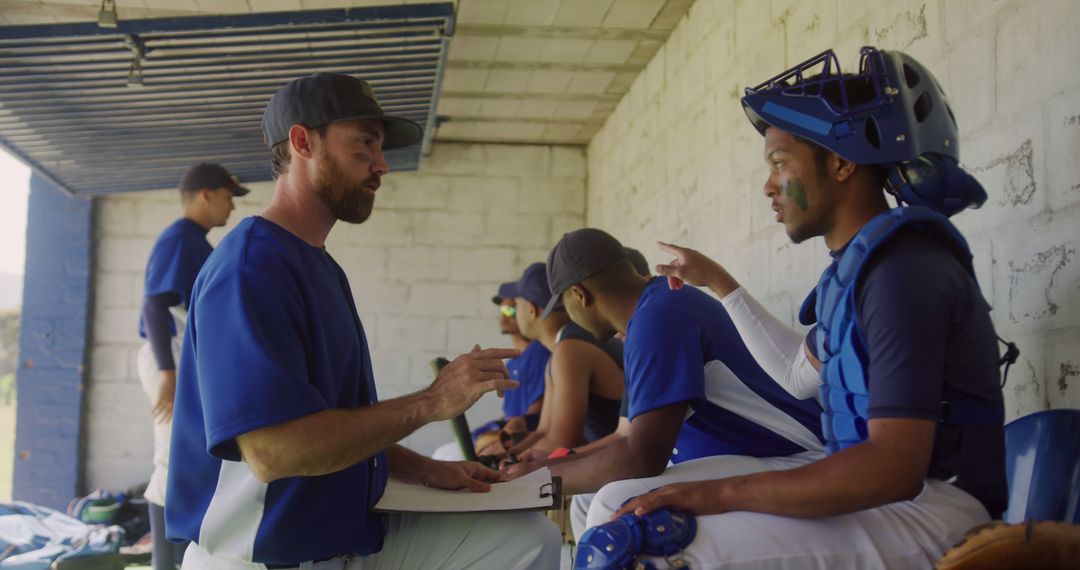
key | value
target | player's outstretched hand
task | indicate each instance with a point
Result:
(533, 454)
(461, 383)
(698, 497)
(455, 475)
(693, 267)
(511, 472)
(494, 447)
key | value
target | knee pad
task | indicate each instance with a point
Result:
(613, 545)
(667, 531)
(616, 545)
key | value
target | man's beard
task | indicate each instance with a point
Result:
(347, 201)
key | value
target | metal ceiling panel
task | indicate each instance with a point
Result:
(73, 106)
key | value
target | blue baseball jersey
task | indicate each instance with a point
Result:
(681, 346)
(272, 335)
(529, 370)
(175, 260)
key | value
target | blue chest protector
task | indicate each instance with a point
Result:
(841, 346)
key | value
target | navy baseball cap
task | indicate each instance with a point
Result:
(533, 286)
(507, 290)
(211, 177)
(324, 98)
(579, 255)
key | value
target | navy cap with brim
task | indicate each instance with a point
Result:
(324, 98)
(507, 290)
(533, 285)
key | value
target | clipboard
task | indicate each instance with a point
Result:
(537, 491)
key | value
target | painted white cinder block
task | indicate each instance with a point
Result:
(423, 270)
(113, 362)
(1061, 123)
(409, 263)
(466, 264)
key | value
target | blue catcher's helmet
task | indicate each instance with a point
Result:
(892, 113)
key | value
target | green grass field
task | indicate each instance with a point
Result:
(7, 449)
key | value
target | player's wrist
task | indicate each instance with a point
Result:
(721, 282)
(561, 452)
(426, 407)
(721, 497)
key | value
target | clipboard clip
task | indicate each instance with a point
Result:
(552, 490)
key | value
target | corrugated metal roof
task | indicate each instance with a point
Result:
(68, 108)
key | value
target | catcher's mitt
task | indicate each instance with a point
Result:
(997, 545)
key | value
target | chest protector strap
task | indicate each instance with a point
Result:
(841, 346)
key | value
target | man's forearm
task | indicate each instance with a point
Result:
(644, 452)
(840, 484)
(530, 440)
(614, 462)
(877, 472)
(404, 462)
(331, 440)
(599, 444)
(721, 282)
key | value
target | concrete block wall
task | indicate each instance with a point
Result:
(423, 269)
(678, 161)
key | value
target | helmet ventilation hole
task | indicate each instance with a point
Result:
(923, 106)
(911, 77)
(871, 132)
(951, 115)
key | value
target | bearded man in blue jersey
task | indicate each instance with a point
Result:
(281, 446)
(903, 340)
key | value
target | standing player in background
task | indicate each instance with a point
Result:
(206, 193)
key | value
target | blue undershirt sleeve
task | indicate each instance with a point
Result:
(158, 321)
(811, 341)
(904, 316)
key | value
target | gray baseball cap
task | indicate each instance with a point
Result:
(638, 261)
(579, 255)
(323, 98)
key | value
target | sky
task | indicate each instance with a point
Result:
(14, 189)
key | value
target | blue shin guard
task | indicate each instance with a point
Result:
(616, 545)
